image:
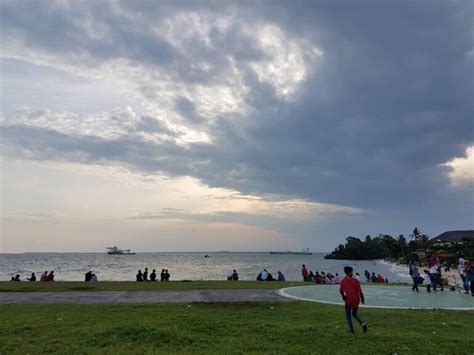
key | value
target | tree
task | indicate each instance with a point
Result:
(420, 239)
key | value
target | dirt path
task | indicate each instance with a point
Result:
(184, 296)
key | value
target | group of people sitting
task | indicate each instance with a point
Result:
(233, 276)
(90, 277)
(44, 277)
(374, 278)
(264, 275)
(330, 279)
(144, 277)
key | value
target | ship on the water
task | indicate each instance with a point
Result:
(288, 252)
(116, 251)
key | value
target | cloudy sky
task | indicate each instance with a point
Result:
(186, 125)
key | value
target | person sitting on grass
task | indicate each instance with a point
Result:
(153, 275)
(88, 276)
(235, 276)
(16, 278)
(373, 278)
(139, 276)
(32, 278)
(162, 275)
(338, 279)
(281, 277)
(317, 278)
(50, 277)
(167, 275)
(311, 277)
(44, 276)
(94, 278)
(352, 295)
(145, 274)
(367, 276)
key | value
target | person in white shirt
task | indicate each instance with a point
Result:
(94, 278)
(264, 275)
(435, 275)
(427, 280)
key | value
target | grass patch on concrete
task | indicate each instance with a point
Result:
(273, 328)
(140, 286)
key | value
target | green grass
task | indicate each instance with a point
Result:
(273, 328)
(7, 286)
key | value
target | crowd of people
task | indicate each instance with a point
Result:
(264, 275)
(330, 279)
(144, 277)
(45, 277)
(433, 277)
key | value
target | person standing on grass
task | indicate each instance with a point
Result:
(304, 272)
(352, 295)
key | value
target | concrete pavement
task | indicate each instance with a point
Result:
(183, 296)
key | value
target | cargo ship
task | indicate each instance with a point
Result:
(116, 251)
(288, 252)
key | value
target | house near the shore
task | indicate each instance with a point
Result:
(453, 237)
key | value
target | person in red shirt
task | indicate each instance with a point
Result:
(304, 272)
(352, 295)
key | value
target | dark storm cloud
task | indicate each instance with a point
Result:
(387, 105)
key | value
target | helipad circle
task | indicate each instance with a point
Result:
(385, 297)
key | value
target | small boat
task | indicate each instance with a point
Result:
(116, 251)
(287, 252)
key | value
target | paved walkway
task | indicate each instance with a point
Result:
(184, 296)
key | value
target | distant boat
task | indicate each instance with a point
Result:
(116, 251)
(287, 252)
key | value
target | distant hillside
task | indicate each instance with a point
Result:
(454, 236)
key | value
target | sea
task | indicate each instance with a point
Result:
(185, 266)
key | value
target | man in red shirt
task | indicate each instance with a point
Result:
(352, 295)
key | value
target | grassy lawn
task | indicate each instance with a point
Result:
(7, 286)
(293, 327)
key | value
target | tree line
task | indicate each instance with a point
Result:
(385, 246)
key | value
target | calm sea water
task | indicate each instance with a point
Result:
(183, 266)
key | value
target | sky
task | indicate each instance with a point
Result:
(239, 126)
